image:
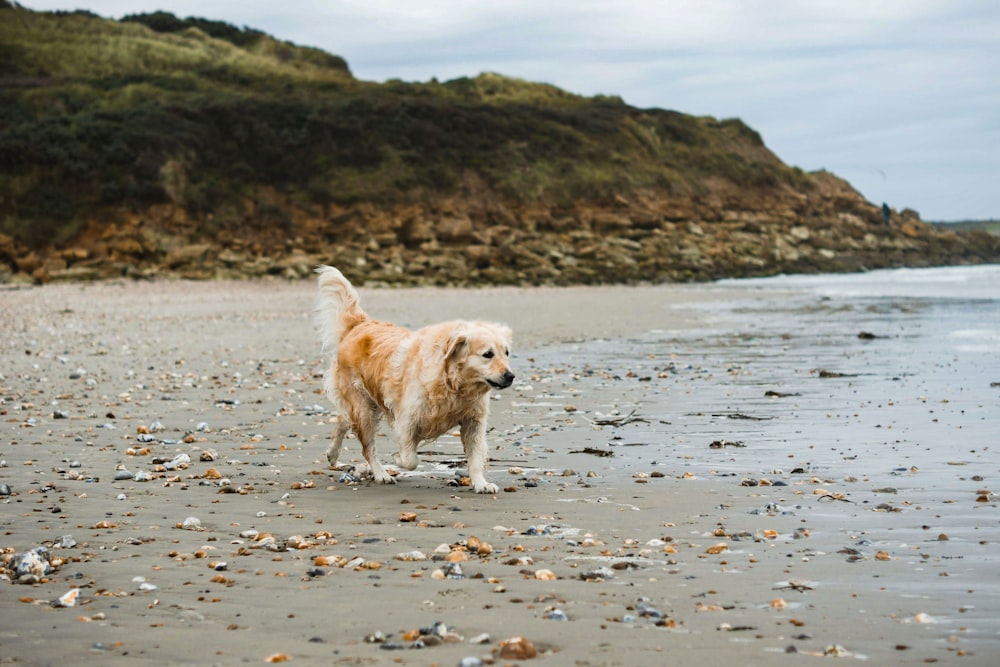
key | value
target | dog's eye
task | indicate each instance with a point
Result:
(488, 354)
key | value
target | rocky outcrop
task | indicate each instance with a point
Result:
(729, 233)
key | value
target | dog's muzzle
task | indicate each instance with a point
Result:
(505, 381)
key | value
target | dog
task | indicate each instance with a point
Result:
(425, 382)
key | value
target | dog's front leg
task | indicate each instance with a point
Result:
(474, 442)
(333, 451)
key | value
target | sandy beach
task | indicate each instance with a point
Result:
(683, 480)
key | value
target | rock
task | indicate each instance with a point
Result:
(517, 648)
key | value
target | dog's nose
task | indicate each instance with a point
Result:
(508, 378)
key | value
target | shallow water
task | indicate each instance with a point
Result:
(879, 388)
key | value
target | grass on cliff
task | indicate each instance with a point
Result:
(98, 113)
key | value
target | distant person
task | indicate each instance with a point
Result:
(886, 214)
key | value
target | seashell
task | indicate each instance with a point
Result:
(278, 657)
(923, 618)
(410, 556)
(557, 615)
(442, 549)
(407, 517)
(517, 648)
(191, 523)
(545, 575)
(883, 555)
(457, 556)
(778, 603)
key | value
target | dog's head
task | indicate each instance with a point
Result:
(479, 353)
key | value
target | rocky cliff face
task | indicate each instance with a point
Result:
(478, 239)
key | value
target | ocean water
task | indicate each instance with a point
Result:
(882, 376)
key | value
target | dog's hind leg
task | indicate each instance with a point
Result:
(406, 457)
(474, 442)
(333, 451)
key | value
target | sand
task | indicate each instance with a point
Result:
(656, 507)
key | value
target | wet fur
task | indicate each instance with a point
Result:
(424, 382)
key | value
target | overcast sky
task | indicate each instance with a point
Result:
(899, 97)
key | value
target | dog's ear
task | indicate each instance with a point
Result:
(456, 341)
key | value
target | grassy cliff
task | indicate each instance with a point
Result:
(200, 131)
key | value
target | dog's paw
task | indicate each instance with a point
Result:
(486, 487)
(384, 478)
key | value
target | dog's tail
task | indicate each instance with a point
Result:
(337, 307)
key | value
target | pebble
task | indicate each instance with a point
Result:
(598, 574)
(67, 599)
(517, 648)
(557, 615)
(121, 475)
(35, 562)
(470, 661)
(647, 611)
(5, 490)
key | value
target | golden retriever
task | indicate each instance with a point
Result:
(425, 382)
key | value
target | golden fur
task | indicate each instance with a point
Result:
(425, 382)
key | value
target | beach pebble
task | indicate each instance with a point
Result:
(35, 562)
(646, 610)
(470, 661)
(557, 615)
(598, 574)
(5, 490)
(67, 599)
(142, 476)
(481, 638)
(410, 556)
(123, 475)
(517, 648)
